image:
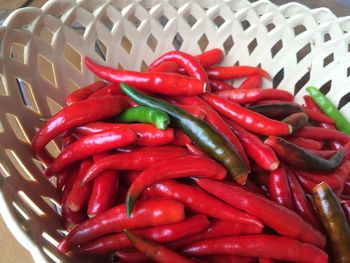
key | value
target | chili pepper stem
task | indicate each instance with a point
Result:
(130, 202)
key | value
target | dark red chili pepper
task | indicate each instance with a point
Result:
(163, 83)
(234, 72)
(264, 246)
(219, 85)
(199, 201)
(243, 96)
(161, 234)
(277, 217)
(346, 208)
(318, 133)
(90, 145)
(266, 260)
(147, 213)
(297, 120)
(276, 110)
(111, 89)
(181, 139)
(347, 187)
(306, 143)
(318, 116)
(307, 184)
(261, 153)
(279, 188)
(248, 119)
(75, 115)
(171, 169)
(195, 151)
(192, 109)
(229, 259)
(84, 93)
(130, 256)
(136, 160)
(155, 251)
(332, 178)
(252, 82)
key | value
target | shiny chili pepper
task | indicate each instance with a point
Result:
(346, 208)
(136, 160)
(329, 109)
(265, 246)
(90, 145)
(171, 169)
(210, 57)
(317, 116)
(306, 143)
(281, 219)
(252, 82)
(195, 151)
(303, 159)
(154, 251)
(234, 72)
(243, 96)
(279, 188)
(75, 115)
(130, 256)
(261, 153)
(276, 110)
(111, 89)
(181, 139)
(219, 85)
(192, 109)
(84, 93)
(163, 83)
(161, 234)
(297, 120)
(145, 115)
(332, 178)
(307, 184)
(202, 134)
(229, 259)
(318, 133)
(334, 222)
(199, 201)
(147, 213)
(248, 119)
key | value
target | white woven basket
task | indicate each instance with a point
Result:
(40, 63)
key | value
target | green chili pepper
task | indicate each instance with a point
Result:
(329, 109)
(145, 114)
(333, 218)
(201, 133)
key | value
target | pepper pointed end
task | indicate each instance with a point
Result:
(290, 128)
(241, 179)
(130, 202)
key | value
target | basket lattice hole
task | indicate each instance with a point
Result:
(245, 24)
(163, 20)
(327, 37)
(219, 21)
(25, 198)
(3, 171)
(143, 66)
(20, 211)
(276, 48)
(52, 255)
(1, 128)
(303, 52)
(299, 29)
(120, 66)
(134, 20)
(50, 239)
(17, 128)
(228, 44)
(25, 27)
(277, 79)
(46, 70)
(108, 23)
(38, 164)
(252, 45)
(46, 35)
(78, 27)
(203, 42)
(72, 56)
(18, 53)
(20, 167)
(343, 101)
(325, 88)
(3, 88)
(27, 95)
(101, 49)
(152, 42)
(53, 149)
(327, 60)
(52, 203)
(270, 27)
(191, 20)
(126, 44)
(301, 82)
(177, 41)
(54, 107)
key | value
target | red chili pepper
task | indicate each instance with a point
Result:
(90, 145)
(277, 217)
(147, 213)
(148, 134)
(234, 72)
(266, 260)
(243, 96)
(252, 82)
(75, 115)
(229, 259)
(316, 111)
(218, 228)
(347, 187)
(318, 133)
(264, 246)
(161, 234)
(84, 93)
(261, 153)
(136, 160)
(181, 139)
(306, 143)
(163, 83)
(111, 89)
(307, 184)
(192, 109)
(346, 208)
(279, 188)
(199, 201)
(171, 169)
(248, 119)
(130, 256)
(331, 178)
(195, 151)
(219, 85)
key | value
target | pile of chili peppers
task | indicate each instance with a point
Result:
(177, 164)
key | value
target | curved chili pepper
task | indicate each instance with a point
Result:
(195, 151)
(161, 234)
(248, 119)
(276, 110)
(146, 115)
(234, 72)
(303, 159)
(306, 143)
(262, 154)
(71, 219)
(264, 246)
(307, 184)
(332, 178)
(329, 109)
(181, 139)
(192, 109)
(243, 96)
(202, 134)
(75, 115)
(171, 169)
(297, 120)
(199, 201)
(219, 85)
(281, 219)
(318, 133)
(252, 82)
(163, 83)
(130, 256)
(109, 90)
(84, 93)
(90, 145)
(135, 160)
(334, 221)
(147, 213)
(317, 116)
(279, 188)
